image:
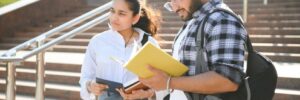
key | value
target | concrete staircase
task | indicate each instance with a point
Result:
(273, 28)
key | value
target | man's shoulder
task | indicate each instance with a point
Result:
(221, 16)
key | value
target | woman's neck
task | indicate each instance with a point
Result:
(127, 35)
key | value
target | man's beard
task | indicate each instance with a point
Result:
(194, 6)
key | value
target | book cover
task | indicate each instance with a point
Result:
(155, 57)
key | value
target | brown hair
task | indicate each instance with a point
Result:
(149, 21)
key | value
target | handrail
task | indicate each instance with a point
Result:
(68, 35)
(265, 2)
(16, 5)
(245, 10)
(56, 30)
(10, 56)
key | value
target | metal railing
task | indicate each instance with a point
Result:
(10, 57)
(245, 8)
(16, 5)
(265, 2)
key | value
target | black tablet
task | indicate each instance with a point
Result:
(111, 84)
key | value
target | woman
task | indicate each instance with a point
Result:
(129, 22)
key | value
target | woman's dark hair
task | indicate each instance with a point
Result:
(149, 21)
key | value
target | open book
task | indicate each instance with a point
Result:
(157, 58)
(134, 85)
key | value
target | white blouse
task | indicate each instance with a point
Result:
(98, 60)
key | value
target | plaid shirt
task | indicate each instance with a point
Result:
(224, 42)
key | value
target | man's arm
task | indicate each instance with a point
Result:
(225, 52)
(205, 83)
(225, 55)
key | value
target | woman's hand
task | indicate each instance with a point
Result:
(136, 94)
(96, 88)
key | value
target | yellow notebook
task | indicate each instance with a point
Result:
(156, 57)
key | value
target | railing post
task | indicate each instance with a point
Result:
(11, 81)
(144, 2)
(265, 2)
(245, 10)
(40, 74)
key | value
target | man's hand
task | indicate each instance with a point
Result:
(158, 81)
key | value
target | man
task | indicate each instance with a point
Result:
(224, 44)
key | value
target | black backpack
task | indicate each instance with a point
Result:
(260, 80)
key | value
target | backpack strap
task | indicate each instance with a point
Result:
(201, 59)
(200, 40)
(145, 38)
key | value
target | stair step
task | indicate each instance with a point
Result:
(51, 76)
(68, 67)
(283, 57)
(178, 24)
(58, 48)
(83, 35)
(263, 47)
(286, 94)
(171, 30)
(251, 16)
(288, 83)
(24, 97)
(270, 12)
(252, 24)
(291, 23)
(288, 75)
(288, 25)
(259, 1)
(260, 46)
(259, 10)
(256, 31)
(254, 38)
(276, 17)
(56, 61)
(84, 38)
(253, 5)
(60, 91)
(56, 57)
(275, 56)
(67, 48)
(82, 42)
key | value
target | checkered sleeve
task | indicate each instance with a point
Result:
(225, 46)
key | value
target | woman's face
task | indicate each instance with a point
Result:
(121, 17)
